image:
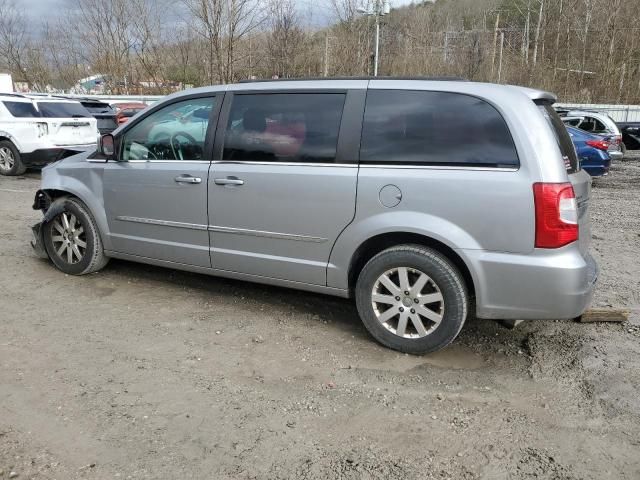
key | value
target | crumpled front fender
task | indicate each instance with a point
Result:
(50, 210)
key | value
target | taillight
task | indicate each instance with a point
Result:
(599, 144)
(556, 214)
(43, 129)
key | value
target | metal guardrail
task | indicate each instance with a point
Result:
(619, 113)
(148, 99)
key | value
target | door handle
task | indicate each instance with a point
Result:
(188, 179)
(228, 181)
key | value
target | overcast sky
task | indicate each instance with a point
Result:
(41, 10)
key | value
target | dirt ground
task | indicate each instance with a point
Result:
(144, 373)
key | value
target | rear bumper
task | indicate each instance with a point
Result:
(616, 155)
(547, 284)
(596, 171)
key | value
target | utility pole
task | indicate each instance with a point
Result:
(326, 54)
(495, 44)
(500, 61)
(375, 63)
(380, 9)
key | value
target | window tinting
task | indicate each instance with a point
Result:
(62, 110)
(434, 128)
(280, 127)
(22, 109)
(562, 137)
(175, 132)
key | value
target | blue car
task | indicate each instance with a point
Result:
(592, 151)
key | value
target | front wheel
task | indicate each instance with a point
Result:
(412, 299)
(72, 240)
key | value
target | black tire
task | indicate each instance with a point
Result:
(16, 166)
(445, 282)
(93, 257)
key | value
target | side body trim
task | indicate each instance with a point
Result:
(214, 228)
(262, 233)
(165, 223)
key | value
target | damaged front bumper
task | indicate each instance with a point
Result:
(37, 240)
(43, 202)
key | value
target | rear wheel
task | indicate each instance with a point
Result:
(72, 240)
(412, 299)
(10, 161)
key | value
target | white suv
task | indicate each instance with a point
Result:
(38, 130)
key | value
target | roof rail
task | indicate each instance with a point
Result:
(305, 79)
(13, 95)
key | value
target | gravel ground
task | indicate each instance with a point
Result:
(144, 373)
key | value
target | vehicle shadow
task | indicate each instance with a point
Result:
(482, 336)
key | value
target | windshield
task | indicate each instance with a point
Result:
(21, 109)
(62, 110)
(562, 137)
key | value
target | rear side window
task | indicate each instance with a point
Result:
(21, 109)
(562, 137)
(62, 110)
(434, 128)
(283, 127)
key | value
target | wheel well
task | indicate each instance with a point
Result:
(376, 244)
(44, 198)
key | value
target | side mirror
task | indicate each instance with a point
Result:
(107, 146)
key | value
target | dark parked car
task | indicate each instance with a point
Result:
(103, 112)
(630, 134)
(592, 150)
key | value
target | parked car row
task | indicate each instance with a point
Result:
(37, 129)
(597, 138)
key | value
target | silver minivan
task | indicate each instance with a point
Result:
(426, 201)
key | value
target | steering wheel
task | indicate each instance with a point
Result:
(175, 146)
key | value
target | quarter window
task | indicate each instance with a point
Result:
(297, 127)
(434, 128)
(175, 132)
(22, 109)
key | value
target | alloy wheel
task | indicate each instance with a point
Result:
(407, 302)
(7, 161)
(68, 238)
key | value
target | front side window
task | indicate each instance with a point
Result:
(175, 132)
(434, 128)
(282, 127)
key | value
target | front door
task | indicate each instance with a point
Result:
(156, 195)
(281, 194)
